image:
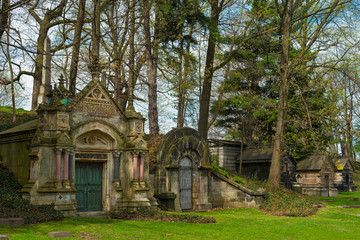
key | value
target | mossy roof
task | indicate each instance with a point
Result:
(258, 154)
(28, 126)
(340, 162)
(314, 162)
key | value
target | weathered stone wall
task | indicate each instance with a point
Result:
(228, 194)
(227, 156)
(208, 188)
(15, 156)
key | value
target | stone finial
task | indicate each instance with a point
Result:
(61, 82)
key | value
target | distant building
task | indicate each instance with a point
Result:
(315, 176)
(255, 161)
(344, 174)
(226, 151)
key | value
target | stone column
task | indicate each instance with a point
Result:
(66, 165)
(58, 152)
(71, 165)
(142, 166)
(116, 155)
(135, 167)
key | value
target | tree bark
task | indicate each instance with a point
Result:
(45, 25)
(11, 69)
(4, 15)
(151, 71)
(95, 38)
(76, 47)
(285, 28)
(209, 71)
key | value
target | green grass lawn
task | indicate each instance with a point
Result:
(331, 222)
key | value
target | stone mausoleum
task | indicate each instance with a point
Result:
(82, 154)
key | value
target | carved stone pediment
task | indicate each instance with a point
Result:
(94, 141)
(97, 104)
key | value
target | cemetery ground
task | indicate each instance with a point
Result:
(334, 221)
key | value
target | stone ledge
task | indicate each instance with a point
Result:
(12, 221)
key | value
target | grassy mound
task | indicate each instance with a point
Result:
(154, 216)
(22, 116)
(12, 205)
(284, 202)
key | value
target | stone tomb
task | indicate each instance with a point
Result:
(184, 179)
(315, 176)
(82, 154)
(344, 174)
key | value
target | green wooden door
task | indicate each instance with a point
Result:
(88, 182)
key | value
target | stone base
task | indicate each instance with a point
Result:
(60, 234)
(63, 199)
(321, 192)
(203, 207)
(167, 200)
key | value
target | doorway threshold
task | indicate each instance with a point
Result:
(94, 214)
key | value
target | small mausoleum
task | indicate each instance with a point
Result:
(82, 154)
(344, 174)
(256, 163)
(227, 152)
(315, 176)
(184, 179)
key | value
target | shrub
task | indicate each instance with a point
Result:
(220, 170)
(13, 205)
(238, 179)
(282, 201)
(148, 215)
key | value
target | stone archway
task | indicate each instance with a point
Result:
(183, 169)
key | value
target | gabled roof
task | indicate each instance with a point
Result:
(28, 126)
(340, 162)
(86, 91)
(219, 142)
(258, 154)
(314, 162)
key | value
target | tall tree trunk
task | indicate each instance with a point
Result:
(182, 80)
(132, 76)
(278, 150)
(151, 71)
(11, 70)
(76, 47)
(4, 15)
(45, 25)
(95, 38)
(209, 71)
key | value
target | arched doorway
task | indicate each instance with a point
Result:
(185, 179)
(92, 171)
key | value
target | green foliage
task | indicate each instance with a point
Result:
(6, 117)
(220, 170)
(246, 224)
(238, 179)
(13, 205)
(283, 202)
(148, 215)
